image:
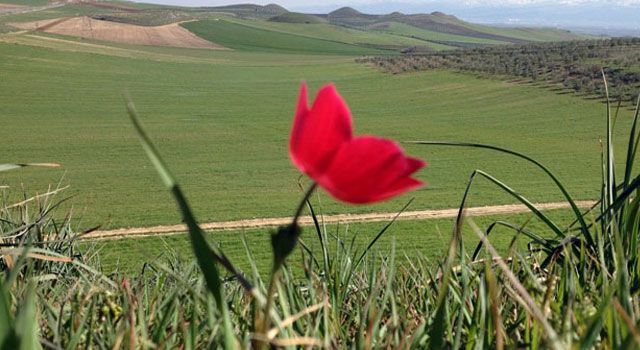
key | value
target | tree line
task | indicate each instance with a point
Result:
(574, 65)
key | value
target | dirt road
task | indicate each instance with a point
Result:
(342, 218)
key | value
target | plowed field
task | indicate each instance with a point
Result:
(86, 27)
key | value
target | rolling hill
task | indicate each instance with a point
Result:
(269, 28)
(447, 24)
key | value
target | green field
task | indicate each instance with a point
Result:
(239, 36)
(222, 120)
(530, 34)
(55, 12)
(424, 34)
(371, 38)
(26, 2)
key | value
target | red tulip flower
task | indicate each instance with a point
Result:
(362, 169)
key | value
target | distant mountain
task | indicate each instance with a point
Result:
(437, 27)
(390, 32)
(599, 17)
(296, 17)
(345, 12)
(249, 10)
(436, 21)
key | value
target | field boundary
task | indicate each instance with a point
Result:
(164, 230)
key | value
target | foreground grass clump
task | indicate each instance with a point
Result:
(343, 299)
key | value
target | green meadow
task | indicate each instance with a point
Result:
(328, 32)
(222, 120)
(424, 34)
(239, 36)
(27, 2)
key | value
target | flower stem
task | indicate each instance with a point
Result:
(303, 202)
(278, 262)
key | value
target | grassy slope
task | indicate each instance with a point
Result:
(222, 120)
(243, 37)
(405, 29)
(296, 17)
(450, 24)
(532, 34)
(56, 12)
(26, 2)
(342, 34)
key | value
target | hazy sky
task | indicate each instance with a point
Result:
(571, 14)
(305, 3)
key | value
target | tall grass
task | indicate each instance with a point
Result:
(574, 287)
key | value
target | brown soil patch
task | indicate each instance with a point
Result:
(342, 218)
(86, 27)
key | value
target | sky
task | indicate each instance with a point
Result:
(610, 15)
(305, 3)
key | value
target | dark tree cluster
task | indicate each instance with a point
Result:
(574, 65)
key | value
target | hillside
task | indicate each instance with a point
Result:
(575, 66)
(274, 28)
(239, 36)
(249, 10)
(294, 17)
(89, 28)
(447, 24)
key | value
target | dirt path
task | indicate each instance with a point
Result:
(342, 218)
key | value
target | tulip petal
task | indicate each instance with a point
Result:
(401, 186)
(369, 169)
(319, 132)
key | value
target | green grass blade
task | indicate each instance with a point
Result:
(380, 233)
(438, 328)
(323, 243)
(518, 229)
(620, 200)
(6, 318)
(204, 255)
(26, 323)
(593, 330)
(565, 193)
(609, 166)
(522, 200)
(632, 145)
(525, 298)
